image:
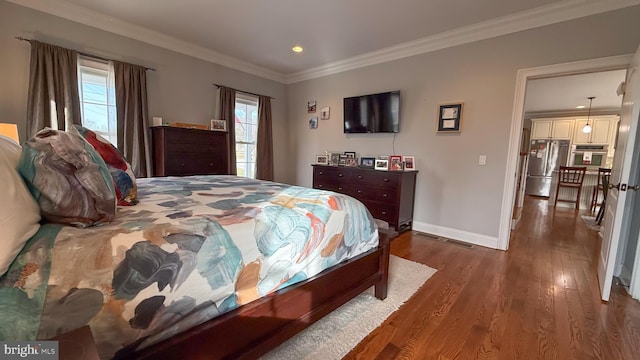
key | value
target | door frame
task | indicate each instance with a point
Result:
(523, 75)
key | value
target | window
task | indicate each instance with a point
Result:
(98, 97)
(246, 134)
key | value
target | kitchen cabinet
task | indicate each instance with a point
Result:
(556, 129)
(601, 131)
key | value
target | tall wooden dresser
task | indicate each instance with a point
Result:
(389, 195)
(181, 152)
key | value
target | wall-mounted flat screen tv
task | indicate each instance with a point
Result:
(374, 113)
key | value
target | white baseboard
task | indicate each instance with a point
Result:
(461, 235)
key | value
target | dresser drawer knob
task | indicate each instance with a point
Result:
(181, 164)
(340, 188)
(385, 195)
(385, 180)
(360, 177)
(320, 173)
(340, 175)
(384, 213)
(359, 191)
(320, 186)
(210, 164)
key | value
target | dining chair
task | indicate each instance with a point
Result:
(598, 188)
(605, 191)
(570, 177)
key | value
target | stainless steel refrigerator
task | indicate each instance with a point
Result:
(545, 156)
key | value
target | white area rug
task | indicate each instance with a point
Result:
(333, 336)
(590, 222)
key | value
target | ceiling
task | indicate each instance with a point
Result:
(256, 36)
(564, 93)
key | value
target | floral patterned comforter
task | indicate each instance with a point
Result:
(193, 248)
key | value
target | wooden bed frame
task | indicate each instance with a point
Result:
(255, 328)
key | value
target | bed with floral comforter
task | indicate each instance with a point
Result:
(192, 249)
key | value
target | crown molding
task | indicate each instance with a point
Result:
(66, 10)
(541, 16)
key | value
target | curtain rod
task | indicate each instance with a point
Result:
(246, 92)
(83, 54)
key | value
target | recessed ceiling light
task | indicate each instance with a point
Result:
(580, 107)
(297, 49)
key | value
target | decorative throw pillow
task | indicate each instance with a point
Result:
(124, 180)
(68, 179)
(19, 214)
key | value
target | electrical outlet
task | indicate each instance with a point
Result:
(482, 160)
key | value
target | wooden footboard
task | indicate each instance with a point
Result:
(253, 329)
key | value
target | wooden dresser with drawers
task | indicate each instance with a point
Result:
(181, 152)
(389, 195)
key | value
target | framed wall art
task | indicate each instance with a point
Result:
(311, 106)
(325, 113)
(449, 116)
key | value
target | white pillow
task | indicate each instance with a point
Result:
(19, 212)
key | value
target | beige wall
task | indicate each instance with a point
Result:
(454, 196)
(180, 90)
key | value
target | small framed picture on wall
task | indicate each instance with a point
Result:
(449, 116)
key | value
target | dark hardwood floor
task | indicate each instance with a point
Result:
(538, 300)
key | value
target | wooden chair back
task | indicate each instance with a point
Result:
(572, 175)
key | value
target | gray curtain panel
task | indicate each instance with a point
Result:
(134, 138)
(264, 146)
(53, 99)
(228, 112)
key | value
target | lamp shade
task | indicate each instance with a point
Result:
(10, 131)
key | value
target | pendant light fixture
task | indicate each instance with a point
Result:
(587, 128)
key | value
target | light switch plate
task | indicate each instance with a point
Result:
(482, 160)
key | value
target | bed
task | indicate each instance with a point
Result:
(202, 267)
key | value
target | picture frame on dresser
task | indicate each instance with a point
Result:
(382, 164)
(367, 162)
(218, 125)
(322, 159)
(395, 163)
(409, 163)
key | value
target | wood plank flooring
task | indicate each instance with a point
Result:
(538, 300)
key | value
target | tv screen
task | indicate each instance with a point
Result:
(373, 113)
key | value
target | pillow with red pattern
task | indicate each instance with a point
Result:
(123, 179)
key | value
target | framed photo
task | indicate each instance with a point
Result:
(395, 163)
(409, 162)
(334, 159)
(325, 113)
(322, 159)
(350, 154)
(313, 123)
(218, 125)
(382, 164)
(449, 116)
(311, 106)
(367, 162)
(352, 161)
(342, 160)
